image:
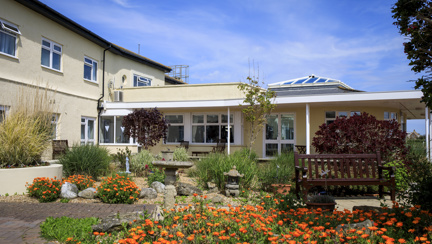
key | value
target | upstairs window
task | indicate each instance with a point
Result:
(8, 38)
(90, 69)
(51, 54)
(141, 81)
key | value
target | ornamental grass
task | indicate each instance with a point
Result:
(265, 224)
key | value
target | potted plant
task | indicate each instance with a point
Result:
(277, 175)
(325, 202)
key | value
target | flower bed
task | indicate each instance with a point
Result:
(14, 180)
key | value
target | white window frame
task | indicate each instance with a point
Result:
(145, 81)
(52, 51)
(10, 29)
(86, 139)
(93, 64)
(176, 124)
(205, 124)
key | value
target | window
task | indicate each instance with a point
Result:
(141, 81)
(90, 69)
(209, 128)
(87, 130)
(8, 38)
(3, 112)
(111, 130)
(51, 54)
(175, 128)
(390, 116)
(54, 123)
(330, 116)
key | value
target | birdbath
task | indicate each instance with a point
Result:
(170, 169)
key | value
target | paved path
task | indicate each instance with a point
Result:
(19, 222)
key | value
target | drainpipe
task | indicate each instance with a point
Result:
(99, 106)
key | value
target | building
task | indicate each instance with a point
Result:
(98, 82)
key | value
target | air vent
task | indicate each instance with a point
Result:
(118, 96)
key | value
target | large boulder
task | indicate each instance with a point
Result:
(159, 187)
(69, 191)
(148, 193)
(185, 189)
(88, 193)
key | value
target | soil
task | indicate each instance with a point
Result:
(141, 182)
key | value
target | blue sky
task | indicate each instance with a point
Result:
(352, 41)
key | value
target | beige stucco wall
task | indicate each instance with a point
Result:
(213, 91)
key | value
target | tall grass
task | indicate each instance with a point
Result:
(211, 168)
(26, 131)
(86, 159)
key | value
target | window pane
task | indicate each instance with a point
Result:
(225, 118)
(175, 133)
(212, 118)
(224, 133)
(87, 72)
(107, 130)
(212, 132)
(174, 119)
(56, 61)
(7, 43)
(287, 127)
(272, 127)
(271, 150)
(198, 134)
(90, 129)
(120, 137)
(45, 60)
(331, 114)
(198, 118)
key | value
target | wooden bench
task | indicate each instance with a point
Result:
(341, 169)
(59, 147)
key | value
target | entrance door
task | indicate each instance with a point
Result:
(279, 136)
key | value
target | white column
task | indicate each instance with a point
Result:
(307, 128)
(229, 130)
(427, 132)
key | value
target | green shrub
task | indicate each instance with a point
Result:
(211, 168)
(280, 170)
(63, 228)
(156, 175)
(86, 160)
(141, 162)
(44, 189)
(180, 154)
(118, 190)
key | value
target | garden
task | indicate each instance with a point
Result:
(258, 215)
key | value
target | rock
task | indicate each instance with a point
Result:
(217, 199)
(358, 226)
(366, 209)
(159, 187)
(212, 188)
(148, 193)
(114, 222)
(88, 193)
(185, 189)
(69, 191)
(169, 197)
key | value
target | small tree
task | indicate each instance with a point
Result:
(148, 127)
(361, 134)
(260, 106)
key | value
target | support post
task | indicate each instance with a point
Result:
(307, 128)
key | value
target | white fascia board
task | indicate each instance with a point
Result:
(351, 97)
(176, 104)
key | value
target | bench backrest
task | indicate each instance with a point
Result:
(340, 166)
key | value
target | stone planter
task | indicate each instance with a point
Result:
(323, 206)
(281, 188)
(14, 180)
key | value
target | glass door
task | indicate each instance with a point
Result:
(279, 134)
